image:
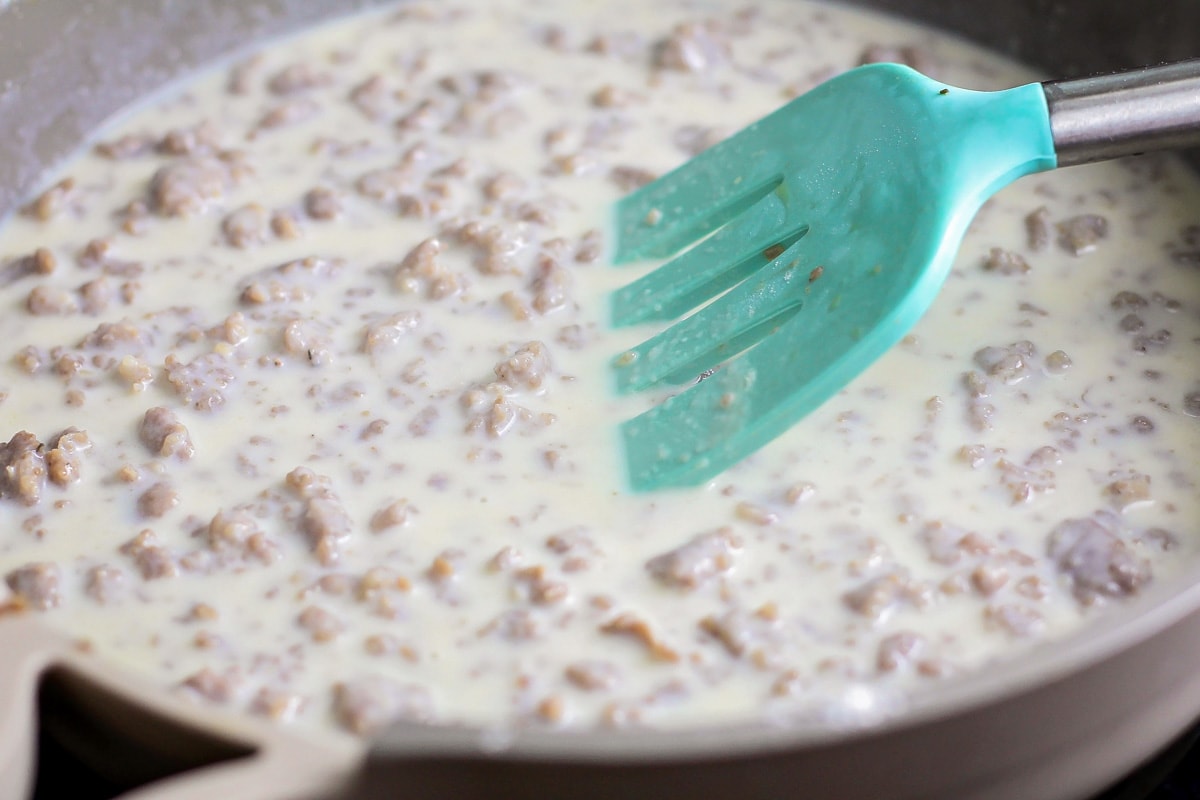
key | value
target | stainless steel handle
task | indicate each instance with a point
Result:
(1126, 113)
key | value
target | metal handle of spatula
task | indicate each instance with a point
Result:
(1106, 116)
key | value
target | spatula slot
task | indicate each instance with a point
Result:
(731, 255)
(678, 209)
(730, 349)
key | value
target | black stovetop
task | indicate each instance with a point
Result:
(1174, 774)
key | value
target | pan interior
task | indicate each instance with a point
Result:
(65, 121)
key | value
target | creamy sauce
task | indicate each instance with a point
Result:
(384, 480)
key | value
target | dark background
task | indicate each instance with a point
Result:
(1172, 775)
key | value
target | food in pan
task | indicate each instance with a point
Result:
(306, 415)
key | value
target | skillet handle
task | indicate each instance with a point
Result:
(1125, 113)
(282, 767)
(25, 652)
(134, 737)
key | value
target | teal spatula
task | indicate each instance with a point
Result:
(836, 220)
